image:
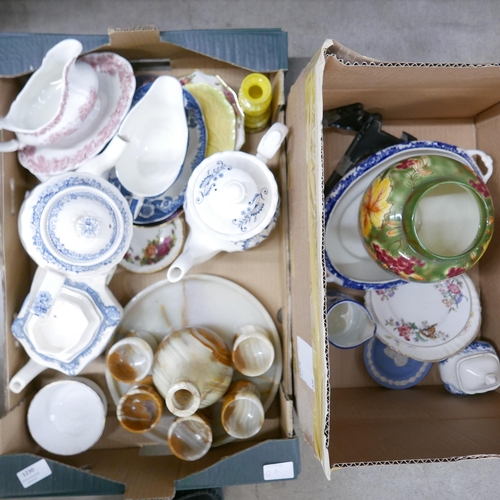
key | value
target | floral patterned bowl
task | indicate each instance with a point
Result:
(427, 321)
(154, 248)
(427, 218)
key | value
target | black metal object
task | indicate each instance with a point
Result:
(369, 138)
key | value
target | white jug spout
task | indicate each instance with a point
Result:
(25, 375)
(100, 164)
(197, 249)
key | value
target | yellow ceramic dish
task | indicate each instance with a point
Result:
(219, 117)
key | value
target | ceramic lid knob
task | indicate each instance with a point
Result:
(233, 192)
(490, 379)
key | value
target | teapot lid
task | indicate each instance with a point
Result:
(76, 224)
(232, 194)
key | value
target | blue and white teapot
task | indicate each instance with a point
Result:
(231, 203)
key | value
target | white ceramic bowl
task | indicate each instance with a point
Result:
(67, 417)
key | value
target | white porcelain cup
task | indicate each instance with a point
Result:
(55, 101)
(68, 416)
(149, 149)
(253, 351)
(130, 359)
(349, 322)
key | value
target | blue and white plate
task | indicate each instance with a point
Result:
(391, 369)
(347, 261)
(159, 208)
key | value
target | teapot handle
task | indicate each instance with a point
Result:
(487, 160)
(271, 142)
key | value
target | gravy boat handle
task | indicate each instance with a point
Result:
(8, 146)
(103, 162)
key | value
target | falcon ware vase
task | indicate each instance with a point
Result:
(427, 218)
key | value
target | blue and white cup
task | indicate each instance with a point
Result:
(349, 323)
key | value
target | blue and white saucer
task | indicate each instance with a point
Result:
(391, 369)
(159, 208)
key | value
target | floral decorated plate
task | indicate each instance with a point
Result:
(391, 369)
(200, 299)
(153, 248)
(159, 208)
(116, 88)
(347, 261)
(427, 321)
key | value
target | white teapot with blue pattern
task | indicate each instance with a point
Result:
(231, 203)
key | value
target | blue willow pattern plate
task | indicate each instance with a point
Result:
(159, 208)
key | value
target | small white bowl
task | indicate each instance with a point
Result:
(67, 417)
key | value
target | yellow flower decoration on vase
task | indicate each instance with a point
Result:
(375, 206)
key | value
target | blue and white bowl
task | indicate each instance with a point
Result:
(76, 224)
(391, 369)
(77, 329)
(157, 209)
(348, 263)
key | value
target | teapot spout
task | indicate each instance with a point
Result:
(196, 250)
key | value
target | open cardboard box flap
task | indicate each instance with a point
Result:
(263, 271)
(346, 417)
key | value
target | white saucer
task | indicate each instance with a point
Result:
(202, 300)
(347, 261)
(427, 321)
(116, 88)
(67, 417)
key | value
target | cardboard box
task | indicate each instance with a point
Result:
(346, 417)
(131, 463)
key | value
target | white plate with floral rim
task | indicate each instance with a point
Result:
(154, 248)
(199, 300)
(115, 91)
(347, 261)
(427, 321)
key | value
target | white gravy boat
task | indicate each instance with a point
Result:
(55, 101)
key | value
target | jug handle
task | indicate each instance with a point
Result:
(25, 375)
(271, 142)
(103, 162)
(487, 160)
